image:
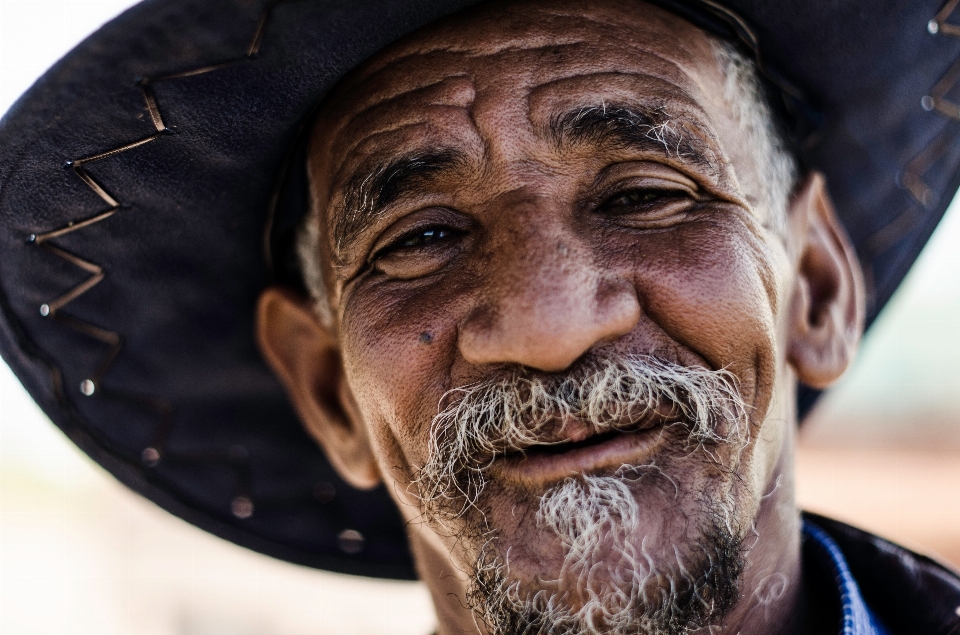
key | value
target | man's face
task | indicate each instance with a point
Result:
(524, 202)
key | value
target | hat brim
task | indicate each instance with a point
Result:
(137, 178)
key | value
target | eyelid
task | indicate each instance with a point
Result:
(415, 222)
(674, 196)
(625, 186)
(394, 245)
(644, 174)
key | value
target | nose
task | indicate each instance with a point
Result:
(546, 306)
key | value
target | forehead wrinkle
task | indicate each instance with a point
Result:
(366, 142)
(520, 44)
(366, 104)
(514, 30)
(609, 23)
(395, 81)
(608, 63)
(487, 44)
(617, 83)
(601, 52)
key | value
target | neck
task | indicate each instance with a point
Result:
(772, 597)
(446, 582)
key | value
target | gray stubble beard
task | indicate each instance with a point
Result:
(592, 516)
(595, 517)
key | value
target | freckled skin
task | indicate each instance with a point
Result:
(540, 261)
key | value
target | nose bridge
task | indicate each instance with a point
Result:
(546, 301)
(539, 250)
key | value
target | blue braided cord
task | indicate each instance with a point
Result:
(858, 619)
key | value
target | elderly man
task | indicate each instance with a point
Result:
(574, 227)
(562, 277)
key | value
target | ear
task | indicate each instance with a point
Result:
(827, 307)
(305, 355)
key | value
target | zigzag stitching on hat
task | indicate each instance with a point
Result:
(939, 22)
(911, 178)
(936, 100)
(940, 103)
(242, 504)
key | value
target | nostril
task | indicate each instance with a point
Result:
(620, 308)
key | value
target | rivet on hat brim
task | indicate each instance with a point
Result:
(350, 541)
(150, 456)
(241, 507)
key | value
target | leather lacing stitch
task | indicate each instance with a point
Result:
(236, 457)
(911, 178)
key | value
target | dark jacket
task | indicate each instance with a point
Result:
(910, 593)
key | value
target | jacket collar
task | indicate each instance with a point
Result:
(882, 588)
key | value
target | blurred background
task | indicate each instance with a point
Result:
(81, 555)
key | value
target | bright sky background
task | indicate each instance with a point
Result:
(909, 361)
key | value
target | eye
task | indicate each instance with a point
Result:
(416, 240)
(654, 206)
(630, 200)
(418, 252)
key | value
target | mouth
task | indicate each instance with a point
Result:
(605, 452)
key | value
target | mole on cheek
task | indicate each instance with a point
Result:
(426, 337)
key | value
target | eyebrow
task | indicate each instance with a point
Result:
(367, 193)
(641, 128)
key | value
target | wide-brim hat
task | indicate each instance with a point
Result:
(149, 182)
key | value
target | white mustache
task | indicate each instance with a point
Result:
(485, 420)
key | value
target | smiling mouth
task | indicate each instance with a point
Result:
(540, 465)
(562, 448)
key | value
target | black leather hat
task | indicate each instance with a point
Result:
(149, 179)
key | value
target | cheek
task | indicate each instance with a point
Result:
(716, 289)
(712, 288)
(398, 350)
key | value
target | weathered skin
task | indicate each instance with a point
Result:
(543, 257)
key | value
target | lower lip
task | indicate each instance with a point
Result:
(540, 468)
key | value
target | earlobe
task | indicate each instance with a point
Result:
(305, 357)
(827, 307)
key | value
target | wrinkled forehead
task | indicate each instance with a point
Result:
(478, 73)
(547, 37)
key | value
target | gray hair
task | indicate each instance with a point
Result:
(308, 257)
(593, 515)
(776, 165)
(491, 418)
(776, 169)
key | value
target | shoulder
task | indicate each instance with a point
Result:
(910, 592)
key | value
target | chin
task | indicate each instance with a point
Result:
(632, 551)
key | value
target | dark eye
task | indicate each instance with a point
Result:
(631, 199)
(423, 238)
(417, 240)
